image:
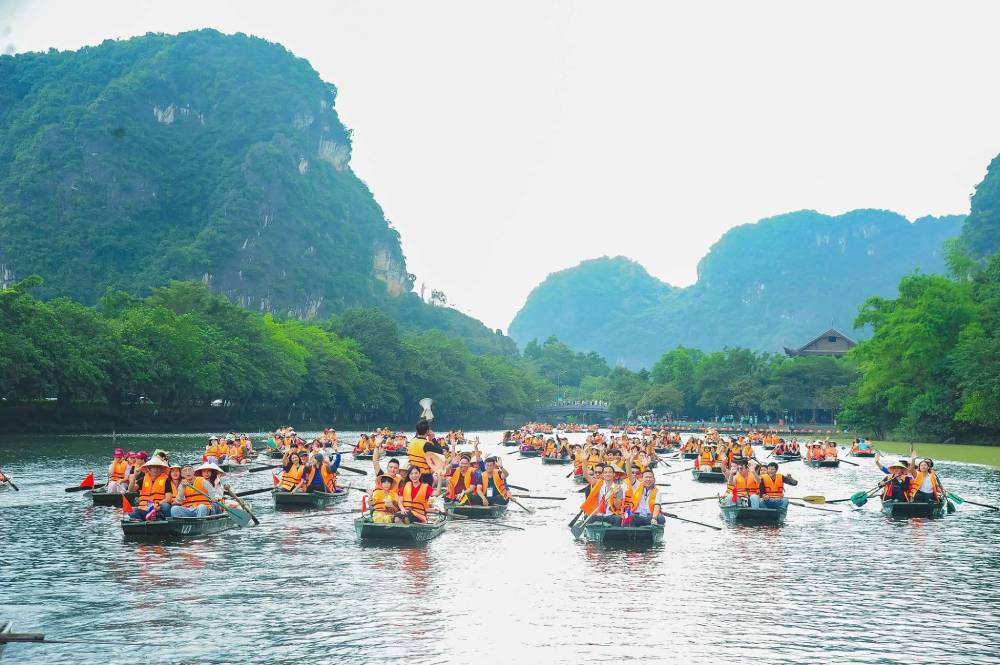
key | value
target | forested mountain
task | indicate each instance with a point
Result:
(981, 233)
(196, 156)
(762, 286)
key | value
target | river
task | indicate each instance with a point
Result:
(850, 587)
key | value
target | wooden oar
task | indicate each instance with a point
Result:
(812, 498)
(573, 521)
(242, 519)
(251, 492)
(550, 498)
(663, 484)
(10, 482)
(670, 473)
(702, 498)
(526, 509)
(353, 470)
(516, 487)
(578, 529)
(253, 517)
(957, 499)
(40, 638)
(802, 505)
(81, 487)
(259, 468)
(682, 519)
(848, 462)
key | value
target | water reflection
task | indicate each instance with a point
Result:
(845, 587)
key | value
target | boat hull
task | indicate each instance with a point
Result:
(176, 528)
(605, 534)
(822, 463)
(906, 509)
(303, 500)
(530, 453)
(101, 498)
(689, 455)
(786, 458)
(477, 512)
(748, 515)
(858, 453)
(368, 531)
(233, 467)
(557, 460)
(510, 444)
(708, 476)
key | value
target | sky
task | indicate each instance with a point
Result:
(507, 140)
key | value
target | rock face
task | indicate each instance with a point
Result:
(196, 156)
(778, 282)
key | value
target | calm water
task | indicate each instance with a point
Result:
(851, 587)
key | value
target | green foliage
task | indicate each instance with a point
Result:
(762, 286)
(183, 346)
(562, 366)
(981, 233)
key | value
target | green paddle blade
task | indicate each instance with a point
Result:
(272, 444)
(241, 517)
(956, 498)
(951, 507)
(859, 498)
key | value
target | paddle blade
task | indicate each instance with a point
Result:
(956, 498)
(951, 508)
(241, 517)
(859, 498)
(126, 506)
(88, 482)
(272, 444)
(814, 499)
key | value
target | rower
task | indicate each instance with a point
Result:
(423, 453)
(773, 484)
(187, 501)
(117, 472)
(385, 501)
(318, 476)
(416, 498)
(925, 487)
(896, 485)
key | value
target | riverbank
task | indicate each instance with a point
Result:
(974, 454)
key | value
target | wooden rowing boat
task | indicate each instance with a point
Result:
(104, 498)
(531, 452)
(691, 454)
(907, 509)
(863, 453)
(234, 467)
(363, 456)
(176, 527)
(822, 463)
(300, 500)
(580, 479)
(477, 512)
(605, 534)
(368, 531)
(276, 454)
(664, 451)
(708, 476)
(787, 457)
(747, 515)
(557, 460)
(510, 444)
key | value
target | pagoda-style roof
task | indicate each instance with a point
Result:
(830, 343)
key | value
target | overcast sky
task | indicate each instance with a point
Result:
(507, 140)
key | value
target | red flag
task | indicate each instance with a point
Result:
(364, 503)
(735, 495)
(88, 482)
(697, 462)
(274, 479)
(126, 506)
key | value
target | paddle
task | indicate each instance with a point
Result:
(677, 517)
(515, 487)
(550, 498)
(848, 462)
(526, 509)
(802, 505)
(10, 482)
(86, 484)
(259, 468)
(703, 498)
(39, 637)
(669, 473)
(353, 470)
(573, 521)
(578, 530)
(260, 491)
(812, 498)
(957, 499)
(663, 484)
(242, 519)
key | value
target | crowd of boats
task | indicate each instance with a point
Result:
(419, 483)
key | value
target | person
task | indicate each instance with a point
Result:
(772, 485)
(604, 497)
(173, 480)
(291, 471)
(385, 501)
(416, 499)
(118, 472)
(492, 484)
(830, 450)
(152, 492)
(925, 487)
(423, 453)
(896, 485)
(318, 476)
(745, 485)
(463, 481)
(392, 468)
(645, 509)
(192, 495)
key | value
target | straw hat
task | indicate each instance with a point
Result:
(156, 461)
(209, 467)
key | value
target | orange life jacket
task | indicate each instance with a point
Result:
(418, 458)
(919, 480)
(291, 478)
(191, 498)
(831, 452)
(117, 471)
(498, 482)
(453, 481)
(745, 486)
(380, 500)
(707, 459)
(329, 478)
(590, 503)
(748, 451)
(415, 500)
(774, 488)
(152, 490)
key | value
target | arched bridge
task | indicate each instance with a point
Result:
(585, 410)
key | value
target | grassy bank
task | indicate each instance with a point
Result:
(940, 451)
